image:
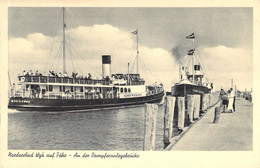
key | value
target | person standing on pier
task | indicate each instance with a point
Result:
(234, 102)
(224, 100)
(230, 100)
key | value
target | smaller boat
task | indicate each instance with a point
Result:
(192, 76)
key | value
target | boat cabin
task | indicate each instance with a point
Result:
(54, 86)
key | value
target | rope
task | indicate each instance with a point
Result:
(73, 61)
(10, 82)
(202, 67)
(132, 68)
(71, 57)
(84, 60)
(58, 61)
(53, 42)
(56, 56)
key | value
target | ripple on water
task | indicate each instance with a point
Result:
(110, 129)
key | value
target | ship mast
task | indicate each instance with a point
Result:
(137, 53)
(64, 41)
(193, 61)
(191, 52)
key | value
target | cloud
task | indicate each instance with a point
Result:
(224, 63)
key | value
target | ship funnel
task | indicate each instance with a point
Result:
(106, 66)
(197, 69)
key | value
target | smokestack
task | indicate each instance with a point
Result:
(106, 66)
(197, 69)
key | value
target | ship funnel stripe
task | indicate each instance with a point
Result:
(106, 59)
(197, 67)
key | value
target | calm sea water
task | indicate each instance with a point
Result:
(114, 129)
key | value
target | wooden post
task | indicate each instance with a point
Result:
(181, 112)
(168, 120)
(207, 100)
(204, 105)
(150, 126)
(210, 100)
(216, 115)
(196, 107)
(190, 107)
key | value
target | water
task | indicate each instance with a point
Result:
(114, 129)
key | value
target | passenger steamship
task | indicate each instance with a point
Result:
(63, 92)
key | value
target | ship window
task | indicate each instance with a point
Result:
(125, 90)
(27, 87)
(63, 88)
(50, 88)
(121, 90)
(71, 89)
(129, 89)
(81, 89)
(60, 88)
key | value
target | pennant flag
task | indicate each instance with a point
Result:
(135, 32)
(191, 52)
(192, 36)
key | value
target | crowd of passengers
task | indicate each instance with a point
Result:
(57, 75)
(133, 78)
(75, 76)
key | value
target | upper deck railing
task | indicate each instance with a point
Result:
(62, 80)
(70, 80)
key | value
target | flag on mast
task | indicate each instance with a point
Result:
(135, 32)
(191, 36)
(191, 52)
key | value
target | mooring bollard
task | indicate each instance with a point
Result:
(190, 108)
(216, 115)
(168, 120)
(181, 112)
(150, 126)
(196, 107)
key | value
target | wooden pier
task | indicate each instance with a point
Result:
(233, 131)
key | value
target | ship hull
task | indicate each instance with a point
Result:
(182, 90)
(56, 105)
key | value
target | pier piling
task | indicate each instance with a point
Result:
(181, 112)
(196, 107)
(204, 103)
(168, 120)
(190, 108)
(150, 126)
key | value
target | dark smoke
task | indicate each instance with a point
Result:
(179, 54)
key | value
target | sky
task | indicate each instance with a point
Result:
(223, 36)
